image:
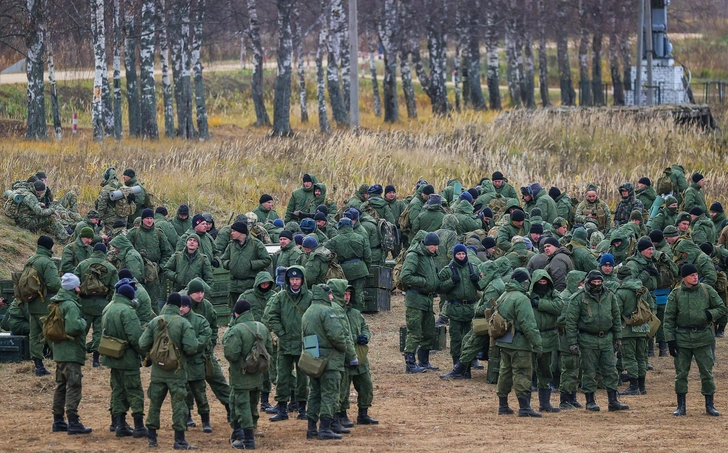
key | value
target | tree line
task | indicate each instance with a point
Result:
(444, 44)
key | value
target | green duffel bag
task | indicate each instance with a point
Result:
(311, 366)
(480, 326)
(112, 347)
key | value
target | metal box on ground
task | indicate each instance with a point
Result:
(380, 277)
(439, 344)
(14, 348)
(377, 299)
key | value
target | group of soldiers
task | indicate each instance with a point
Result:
(565, 277)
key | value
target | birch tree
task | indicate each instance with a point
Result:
(583, 56)
(320, 79)
(345, 62)
(476, 92)
(434, 84)
(373, 73)
(148, 104)
(298, 46)
(57, 131)
(597, 38)
(132, 86)
(542, 57)
(179, 34)
(491, 44)
(256, 87)
(625, 47)
(513, 51)
(161, 23)
(35, 42)
(282, 93)
(387, 29)
(98, 34)
(408, 42)
(613, 55)
(568, 96)
(525, 25)
(202, 127)
(117, 68)
(336, 24)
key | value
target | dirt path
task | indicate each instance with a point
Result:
(416, 413)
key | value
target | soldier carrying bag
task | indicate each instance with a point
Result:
(311, 366)
(111, 346)
(164, 352)
(258, 359)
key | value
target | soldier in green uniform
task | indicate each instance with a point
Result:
(34, 216)
(331, 329)
(646, 193)
(584, 259)
(717, 216)
(547, 306)
(517, 345)
(128, 257)
(120, 321)
(282, 317)
(38, 307)
(419, 274)
(161, 222)
(130, 180)
(258, 298)
(594, 329)
(569, 361)
(143, 305)
(694, 194)
(98, 278)
(459, 285)
(152, 244)
(16, 319)
(265, 211)
(196, 364)
(188, 264)
(430, 218)
(354, 256)
(702, 228)
(593, 209)
(564, 208)
(288, 255)
(207, 242)
(376, 206)
(91, 220)
(162, 381)
(502, 187)
(302, 199)
(182, 221)
(77, 251)
(69, 355)
(315, 261)
(245, 256)
(642, 265)
(237, 342)
(666, 215)
(690, 310)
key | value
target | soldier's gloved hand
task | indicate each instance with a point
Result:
(652, 271)
(617, 345)
(455, 276)
(354, 363)
(362, 339)
(708, 315)
(672, 347)
(130, 198)
(215, 262)
(574, 349)
(475, 278)
(534, 303)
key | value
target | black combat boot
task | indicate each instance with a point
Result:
(59, 424)
(591, 404)
(663, 349)
(237, 433)
(325, 432)
(410, 364)
(651, 348)
(206, 427)
(40, 369)
(633, 388)
(293, 405)
(423, 355)
(312, 431)
(282, 412)
(565, 401)
(272, 409)
(466, 374)
(264, 404)
(458, 372)
(336, 426)
(139, 429)
(190, 423)
(614, 404)
(719, 330)
(96, 362)
(544, 401)
(76, 427)
(503, 408)
(152, 438)
(525, 408)
(344, 420)
(122, 429)
(364, 419)
(249, 438)
(709, 407)
(474, 364)
(641, 385)
(680, 411)
(180, 443)
(112, 426)
(555, 382)
(575, 402)
(301, 411)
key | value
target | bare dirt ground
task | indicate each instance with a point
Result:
(416, 413)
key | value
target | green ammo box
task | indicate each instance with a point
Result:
(377, 299)
(439, 344)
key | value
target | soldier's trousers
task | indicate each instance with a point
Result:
(471, 345)
(68, 388)
(197, 393)
(358, 284)
(569, 372)
(603, 361)
(704, 358)
(218, 384)
(95, 321)
(157, 392)
(660, 335)
(126, 392)
(494, 364)
(515, 372)
(458, 330)
(634, 356)
(36, 338)
(269, 378)
(544, 376)
(363, 386)
(286, 363)
(244, 408)
(323, 400)
(48, 225)
(420, 329)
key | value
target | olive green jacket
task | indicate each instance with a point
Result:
(686, 309)
(694, 196)
(244, 260)
(75, 325)
(288, 256)
(48, 274)
(203, 333)
(588, 315)
(628, 300)
(547, 309)
(237, 343)
(129, 258)
(283, 315)
(94, 305)
(515, 307)
(352, 253)
(182, 335)
(183, 267)
(420, 276)
(74, 253)
(302, 199)
(121, 321)
(332, 329)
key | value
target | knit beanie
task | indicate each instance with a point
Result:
(86, 232)
(69, 281)
(241, 306)
(45, 241)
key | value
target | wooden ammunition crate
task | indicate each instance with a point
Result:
(380, 277)
(439, 344)
(377, 299)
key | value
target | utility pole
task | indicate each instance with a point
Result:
(648, 52)
(640, 52)
(354, 61)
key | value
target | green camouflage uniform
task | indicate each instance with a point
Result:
(259, 299)
(461, 292)
(69, 355)
(288, 256)
(183, 267)
(597, 212)
(634, 338)
(162, 381)
(16, 319)
(152, 243)
(355, 258)
(38, 307)
(570, 363)
(34, 217)
(694, 196)
(265, 215)
(302, 199)
(92, 307)
(547, 307)
(420, 276)
(244, 260)
(196, 364)
(315, 264)
(167, 228)
(74, 253)
(129, 258)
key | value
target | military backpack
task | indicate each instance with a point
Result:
(642, 314)
(91, 283)
(388, 236)
(257, 361)
(334, 270)
(404, 220)
(54, 326)
(27, 283)
(164, 352)
(11, 208)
